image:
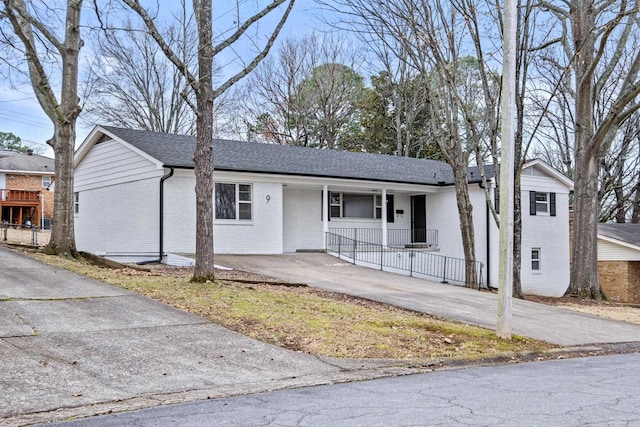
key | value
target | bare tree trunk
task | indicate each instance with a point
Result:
(584, 262)
(203, 156)
(517, 228)
(62, 239)
(465, 213)
(63, 114)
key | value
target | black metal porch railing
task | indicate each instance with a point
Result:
(399, 238)
(416, 263)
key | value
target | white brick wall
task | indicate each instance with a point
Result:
(119, 221)
(302, 219)
(551, 235)
(263, 234)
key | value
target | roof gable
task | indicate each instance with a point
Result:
(539, 168)
(628, 234)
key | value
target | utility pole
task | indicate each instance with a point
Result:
(508, 113)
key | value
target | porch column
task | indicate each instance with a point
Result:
(325, 214)
(384, 217)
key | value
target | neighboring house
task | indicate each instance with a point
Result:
(619, 261)
(25, 180)
(135, 201)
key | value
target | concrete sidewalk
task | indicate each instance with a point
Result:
(547, 323)
(72, 346)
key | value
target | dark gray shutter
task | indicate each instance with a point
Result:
(390, 208)
(532, 202)
(496, 198)
(552, 204)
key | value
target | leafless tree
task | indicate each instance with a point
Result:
(201, 82)
(134, 85)
(594, 36)
(435, 42)
(305, 95)
(619, 172)
(47, 37)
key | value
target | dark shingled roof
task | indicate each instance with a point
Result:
(629, 233)
(21, 162)
(177, 151)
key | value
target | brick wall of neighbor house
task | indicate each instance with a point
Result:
(620, 280)
(32, 183)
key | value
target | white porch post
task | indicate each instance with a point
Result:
(384, 217)
(325, 214)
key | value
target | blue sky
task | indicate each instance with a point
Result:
(21, 114)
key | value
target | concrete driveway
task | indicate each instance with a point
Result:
(551, 324)
(72, 346)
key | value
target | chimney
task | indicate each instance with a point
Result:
(30, 152)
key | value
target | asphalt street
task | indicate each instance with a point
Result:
(571, 392)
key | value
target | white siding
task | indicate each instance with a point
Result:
(3, 181)
(119, 221)
(111, 163)
(610, 251)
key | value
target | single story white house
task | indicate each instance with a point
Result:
(135, 202)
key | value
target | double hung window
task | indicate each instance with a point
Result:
(233, 201)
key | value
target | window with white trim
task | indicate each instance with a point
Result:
(233, 201)
(46, 181)
(359, 205)
(542, 202)
(535, 259)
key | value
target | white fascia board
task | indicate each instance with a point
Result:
(335, 184)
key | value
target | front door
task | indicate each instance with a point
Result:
(419, 219)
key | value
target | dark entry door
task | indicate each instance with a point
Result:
(419, 219)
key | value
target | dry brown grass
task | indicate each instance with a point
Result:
(609, 310)
(306, 319)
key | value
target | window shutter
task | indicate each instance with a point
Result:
(496, 197)
(552, 204)
(390, 208)
(532, 202)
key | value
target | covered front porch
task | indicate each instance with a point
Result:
(391, 216)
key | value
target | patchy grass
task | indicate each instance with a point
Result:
(309, 320)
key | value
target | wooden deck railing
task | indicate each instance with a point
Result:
(19, 196)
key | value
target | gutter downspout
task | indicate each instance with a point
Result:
(161, 213)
